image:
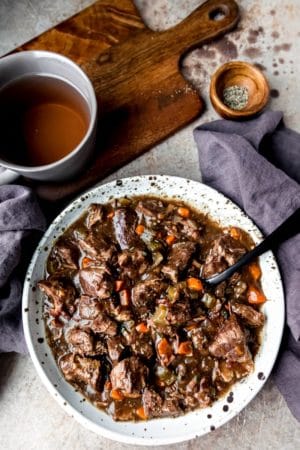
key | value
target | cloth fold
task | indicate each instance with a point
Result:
(257, 164)
(20, 218)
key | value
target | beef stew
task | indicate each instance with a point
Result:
(128, 319)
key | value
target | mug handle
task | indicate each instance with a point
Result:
(7, 176)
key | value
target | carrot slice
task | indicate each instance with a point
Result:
(124, 297)
(140, 412)
(255, 271)
(107, 385)
(195, 284)
(185, 348)
(110, 215)
(85, 262)
(190, 327)
(142, 328)
(119, 284)
(235, 233)
(183, 212)
(140, 229)
(170, 239)
(255, 296)
(116, 394)
(164, 348)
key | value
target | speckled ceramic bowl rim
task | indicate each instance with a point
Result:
(158, 431)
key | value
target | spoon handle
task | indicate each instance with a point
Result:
(286, 230)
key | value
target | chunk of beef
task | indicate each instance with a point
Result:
(115, 348)
(129, 333)
(249, 315)
(187, 227)
(178, 259)
(62, 295)
(81, 341)
(104, 324)
(191, 230)
(95, 282)
(99, 348)
(225, 251)
(172, 228)
(240, 290)
(230, 344)
(125, 221)
(192, 385)
(88, 307)
(129, 376)
(56, 327)
(224, 372)
(118, 312)
(152, 403)
(65, 256)
(171, 408)
(197, 393)
(162, 328)
(220, 290)
(209, 327)
(234, 279)
(212, 266)
(142, 346)
(133, 263)
(81, 370)
(95, 215)
(178, 313)
(231, 249)
(207, 364)
(144, 294)
(228, 340)
(203, 394)
(150, 210)
(97, 248)
(172, 389)
(199, 340)
(189, 402)
(214, 312)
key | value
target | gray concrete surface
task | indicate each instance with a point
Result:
(269, 35)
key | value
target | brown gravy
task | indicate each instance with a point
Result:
(42, 119)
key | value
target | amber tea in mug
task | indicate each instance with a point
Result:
(42, 119)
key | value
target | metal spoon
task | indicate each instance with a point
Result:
(286, 230)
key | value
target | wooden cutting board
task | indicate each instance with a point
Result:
(142, 96)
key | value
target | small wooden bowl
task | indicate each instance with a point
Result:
(243, 74)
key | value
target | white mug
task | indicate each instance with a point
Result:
(38, 62)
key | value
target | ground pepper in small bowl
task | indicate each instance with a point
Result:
(235, 97)
(238, 90)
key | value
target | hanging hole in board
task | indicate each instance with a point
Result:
(218, 13)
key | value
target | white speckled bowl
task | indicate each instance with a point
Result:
(158, 431)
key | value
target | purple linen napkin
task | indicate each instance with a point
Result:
(257, 164)
(20, 217)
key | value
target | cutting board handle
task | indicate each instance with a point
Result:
(136, 75)
(210, 20)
